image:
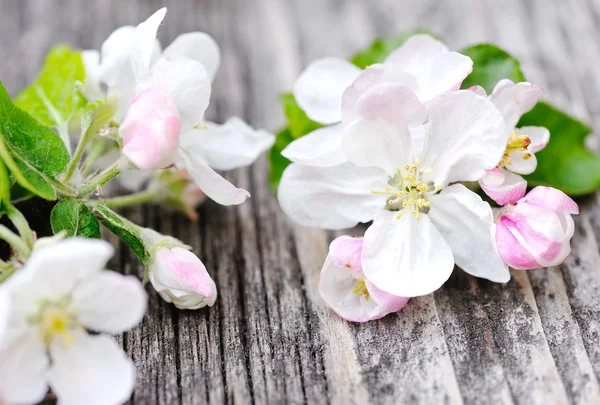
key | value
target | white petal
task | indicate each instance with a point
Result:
(335, 197)
(515, 99)
(539, 137)
(353, 109)
(198, 46)
(5, 312)
(109, 302)
(465, 221)
(145, 38)
(229, 146)
(23, 366)
(92, 371)
(446, 73)
(522, 162)
(466, 136)
(502, 186)
(417, 53)
(322, 147)
(91, 62)
(212, 183)
(406, 257)
(318, 90)
(383, 139)
(188, 84)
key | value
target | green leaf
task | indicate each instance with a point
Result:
(298, 122)
(4, 184)
(565, 163)
(33, 152)
(74, 217)
(277, 162)
(490, 65)
(51, 98)
(382, 47)
(124, 229)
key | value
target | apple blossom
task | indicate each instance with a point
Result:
(150, 130)
(184, 72)
(401, 159)
(61, 292)
(346, 290)
(423, 63)
(536, 230)
(513, 100)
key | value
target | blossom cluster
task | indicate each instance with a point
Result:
(402, 146)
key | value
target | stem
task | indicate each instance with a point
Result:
(101, 179)
(97, 150)
(15, 241)
(131, 199)
(77, 156)
(18, 219)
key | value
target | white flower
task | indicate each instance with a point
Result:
(402, 158)
(422, 63)
(61, 293)
(513, 100)
(184, 71)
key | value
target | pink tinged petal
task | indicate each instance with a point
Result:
(322, 147)
(335, 197)
(93, 370)
(406, 257)
(353, 109)
(210, 182)
(150, 131)
(145, 37)
(346, 251)
(553, 199)
(511, 251)
(198, 46)
(445, 74)
(465, 222)
(109, 302)
(318, 90)
(417, 53)
(503, 186)
(539, 137)
(229, 146)
(465, 136)
(515, 99)
(181, 278)
(188, 84)
(387, 303)
(23, 366)
(480, 91)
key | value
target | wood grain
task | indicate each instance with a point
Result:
(269, 339)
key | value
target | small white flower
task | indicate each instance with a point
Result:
(61, 293)
(401, 159)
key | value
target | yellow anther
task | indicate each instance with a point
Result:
(417, 162)
(428, 170)
(405, 204)
(427, 204)
(414, 212)
(390, 202)
(406, 167)
(399, 195)
(527, 156)
(361, 288)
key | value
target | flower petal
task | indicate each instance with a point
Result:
(335, 197)
(417, 53)
(197, 46)
(379, 74)
(553, 199)
(229, 146)
(406, 257)
(109, 302)
(318, 90)
(539, 137)
(383, 138)
(346, 251)
(5, 312)
(466, 136)
(188, 84)
(23, 366)
(91, 63)
(210, 182)
(502, 186)
(145, 38)
(465, 221)
(93, 371)
(322, 147)
(387, 303)
(515, 99)
(513, 253)
(522, 162)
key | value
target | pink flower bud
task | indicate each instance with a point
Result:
(536, 231)
(346, 290)
(181, 278)
(150, 130)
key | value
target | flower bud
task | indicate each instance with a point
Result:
(150, 130)
(346, 290)
(536, 231)
(181, 278)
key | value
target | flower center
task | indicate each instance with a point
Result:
(55, 321)
(409, 191)
(361, 288)
(516, 143)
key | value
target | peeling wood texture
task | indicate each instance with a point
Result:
(269, 339)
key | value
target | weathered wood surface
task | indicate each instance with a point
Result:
(269, 339)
